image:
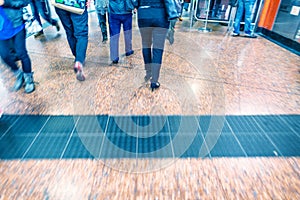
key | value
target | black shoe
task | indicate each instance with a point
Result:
(104, 41)
(114, 62)
(129, 53)
(57, 26)
(154, 86)
(39, 34)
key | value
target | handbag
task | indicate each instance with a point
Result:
(32, 26)
(74, 6)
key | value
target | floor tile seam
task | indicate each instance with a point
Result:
(269, 139)
(293, 130)
(35, 138)
(69, 139)
(104, 135)
(10, 127)
(257, 88)
(32, 52)
(170, 138)
(204, 141)
(237, 140)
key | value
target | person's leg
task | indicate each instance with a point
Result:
(146, 35)
(114, 22)
(127, 27)
(80, 24)
(21, 51)
(6, 55)
(65, 18)
(44, 10)
(159, 35)
(238, 17)
(248, 16)
(36, 15)
(102, 23)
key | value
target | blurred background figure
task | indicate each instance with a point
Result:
(42, 8)
(101, 8)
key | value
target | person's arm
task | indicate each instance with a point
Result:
(171, 9)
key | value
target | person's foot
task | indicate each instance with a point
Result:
(129, 53)
(114, 63)
(57, 27)
(249, 35)
(154, 86)
(39, 34)
(78, 69)
(104, 38)
(233, 34)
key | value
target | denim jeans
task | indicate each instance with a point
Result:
(76, 27)
(115, 21)
(41, 7)
(153, 32)
(17, 50)
(247, 6)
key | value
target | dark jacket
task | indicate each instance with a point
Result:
(14, 11)
(120, 6)
(168, 6)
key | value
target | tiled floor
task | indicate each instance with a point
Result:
(227, 118)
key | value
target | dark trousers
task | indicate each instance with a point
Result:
(115, 21)
(153, 32)
(17, 50)
(76, 27)
(102, 23)
(41, 7)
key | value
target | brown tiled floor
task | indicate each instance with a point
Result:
(202, 73)
(222, 74)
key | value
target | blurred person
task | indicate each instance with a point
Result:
(13, 37)
(244, 6)
(76, 28)
(42, 7)
(101, 8)
(154, 18)
(119, 14)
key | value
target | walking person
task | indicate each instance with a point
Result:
(76, 28)
(244, 6)
(101, 8)
(42, 7)
(119, 14)
(13, 37)
(154, 18)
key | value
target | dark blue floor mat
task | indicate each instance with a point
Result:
(103, 136)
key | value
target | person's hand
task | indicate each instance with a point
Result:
(88, 3)
(170, 36)
(2, 2)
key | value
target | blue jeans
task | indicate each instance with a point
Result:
(17, 50)
(153, 32)
(41, 7)
(76, 27)
(247, 6)
(115, 21)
